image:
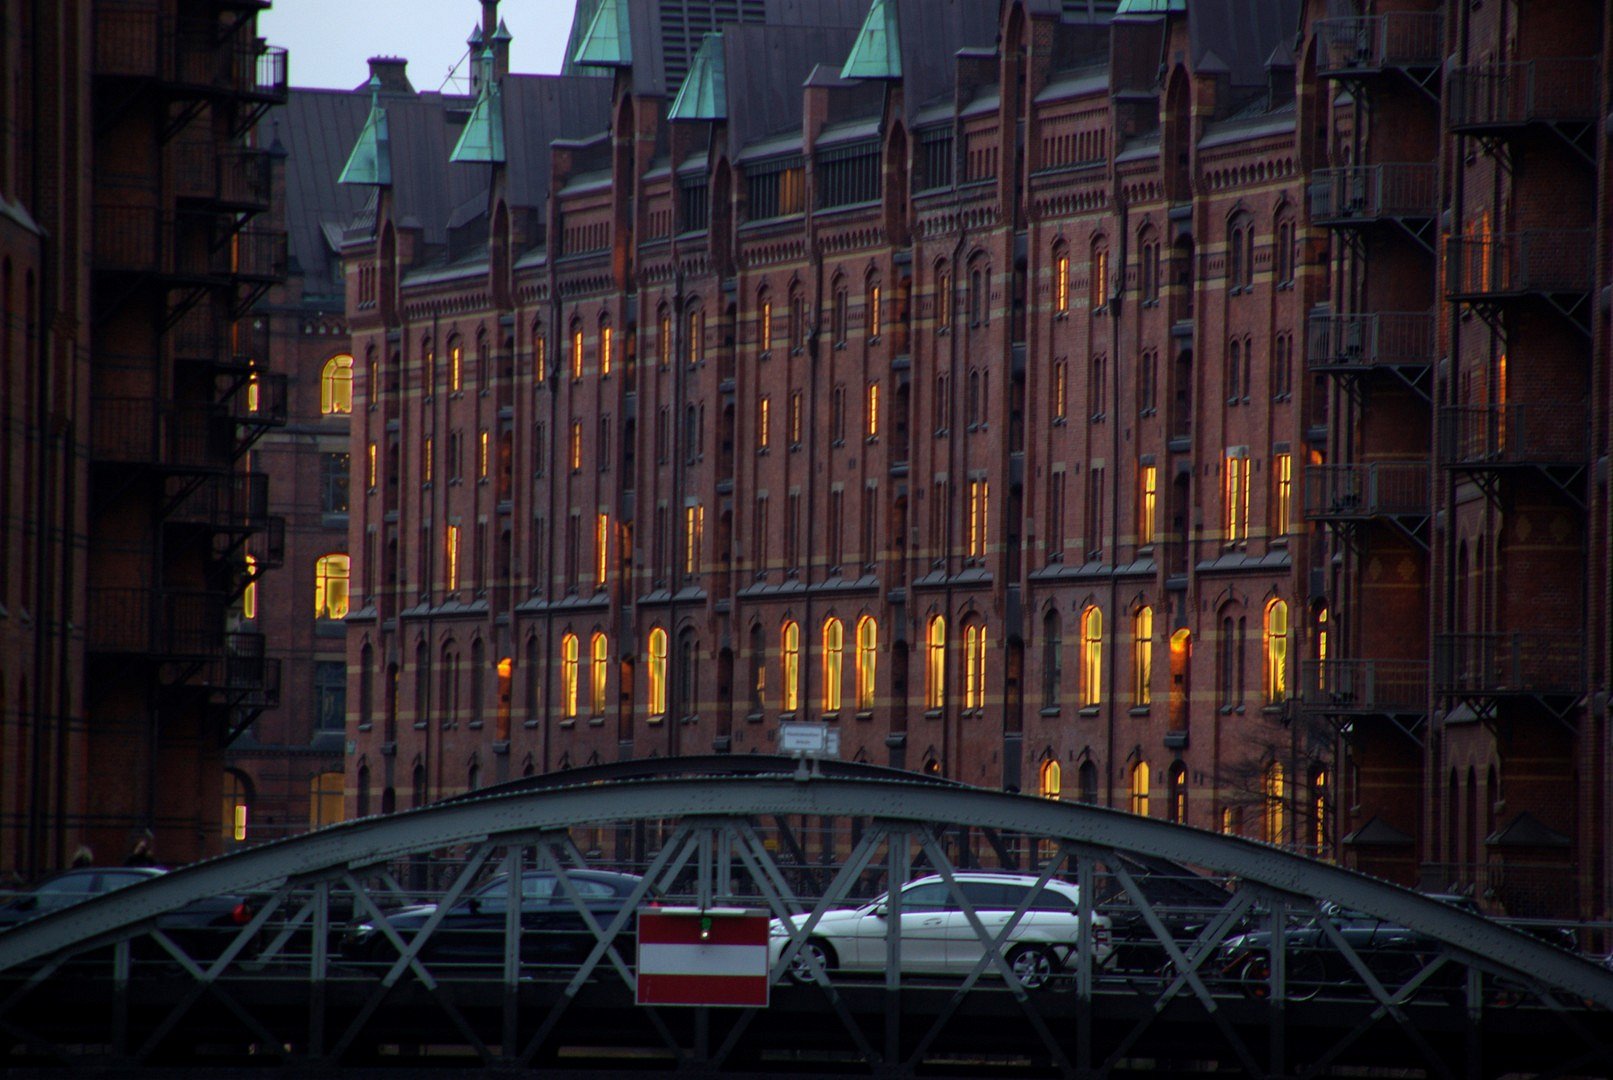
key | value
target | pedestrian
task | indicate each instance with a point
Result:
(82, 857)
(142, 854)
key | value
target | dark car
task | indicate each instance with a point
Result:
(553, 932)
(1184, 900)
(203, 928)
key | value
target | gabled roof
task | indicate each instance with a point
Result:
(482, 141)
(704, 93)
(370, 161)
(317, 129)
(1378, 832)
(1527, 831)
(877, 52)
(608, 41)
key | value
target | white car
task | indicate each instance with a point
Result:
(936, 937)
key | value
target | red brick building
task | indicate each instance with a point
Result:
(132, 386)
(1123, 405)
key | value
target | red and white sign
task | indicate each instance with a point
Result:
(687, 956)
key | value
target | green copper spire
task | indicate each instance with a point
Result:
(877, 52)
(482, 141)
(704, 93)
(371, 159)
(1151, 7)
(609, 40)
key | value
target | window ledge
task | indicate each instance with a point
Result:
(932, 714)
(1051, 710)
(830, 717)
(865, 716)
(657, 720)
(569, 722)
(596, 721)
(1089, 710)
(754, 718)
(1140, 710)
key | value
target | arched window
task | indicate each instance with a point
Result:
(336, 385)
(607, 345)
(1052, 660)
(790, 661)
(1276, 803)
(1091, 656)
(1177, 791)
(1276, 639)
(1142, 656)
(1099, 284)
(249, 595)
(456, 365)
(935, 672)
(1086, 781)
(867, 658)
(1061, 280)
(833, 663)
(576, 349)
(974, 666)
(764, 323)
(657, 666)
(943, 300)
(325, 799)
(758, 670)
(540, 354)
(568, 676)
(1139, 789)
(1052, 779)
(599, 653)
(1319, 810)
(875, 311)
(331, 573)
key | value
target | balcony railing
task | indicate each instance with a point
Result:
(260, 400)
(1360, 492)
(142, 431)
(162, 623)
(1370, 43)
(1388, 338)
(1365, 686)
(1363, 193)
(1539, 261)
(136, 42)
(1535, 433)
(207, 337)
(230, 175)
(1502, 663)
(237, 502)
(1493, 96)
(244, 665)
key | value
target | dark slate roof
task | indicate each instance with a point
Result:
(539, 109)
(317, 129)
(426, 188)
(767, 67)
(932, 33)
(1238, 35)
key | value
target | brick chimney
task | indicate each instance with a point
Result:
(390, 71)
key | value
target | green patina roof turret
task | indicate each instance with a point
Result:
(877, 52)
(1151, 7)
(371, 159)
(482, 141)
(704, 93)
(609, 40)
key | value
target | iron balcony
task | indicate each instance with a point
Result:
(1527, 434)
(1378, 687)
(1362, 194)
(168, 624)
(1364, 341)
(1500, 96)
(1365, 491)
(1541, 262)
(1372, 44)
(1509, 664)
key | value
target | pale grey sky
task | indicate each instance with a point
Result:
(330, 40)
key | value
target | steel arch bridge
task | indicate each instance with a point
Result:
(1261, 969)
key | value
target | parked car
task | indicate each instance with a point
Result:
(936, 937)
(553, 932)
(1184, 901)
(204, 928)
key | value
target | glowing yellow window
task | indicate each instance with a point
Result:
(425, 461)
(235, 807)
(576, 446)
(935, 670)
(1285, 494)
(1276, 803)
(873, 410)
(867, 659)
(790, 663)
(605, 345)
(576, 353)
(1139, 789)
(1061, 284)
(943, 301)
(330, 586)
(664, 340)
(694, 524)
(767, 325)
(568, 676)
(336, 386)
(697, 324)
(601, 548)
(599, 670)
(481, 454)
(1148, 505)
(249, 598)
(540, 357)
(979, 494)
(456, 358)
(1052, 779)
(372, 466)
(253, 392)
(1276, 651)
(1091, 656)
(833, 663)
(657, 666)
(974, 666)
(324, 800)
(451, 554)
(1142, 656)
(764, 425)
(874, 312)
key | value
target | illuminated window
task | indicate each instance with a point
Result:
(1321, 648)
(576, 446)
(324, 800)
(979, 497)
(601, 547)
(833, 663)
(481, 454)
(974, 666)
(576, 352)
(1276, 803)
(1276, 640)
(372, 466)
(451, 554)
(697, 336)
(605, 345)
(236, 802)
(330, 586)
(1052, 779)
(873, 410)
(540, 356)
(795, 418)
(249, 597)
(663, 341)
(943, 300)
(1142, 656)
(336, 386)
(456, 361)
(1100, 277)
(1139, 789)
(254, 392)
(867, 658)
(1176, 788)
(425, 460)
(874, 312)
(1283, 466)
(1091, 656)
(767, 325)
(657, 667)
(694, 526)
(1061, 390)
(790, 665)
(1148, 505)
(764, 423)
(935, 671)
(1235, 492)
(599, 670)
(568, 676)
(1061, 283)
(1319, 812)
